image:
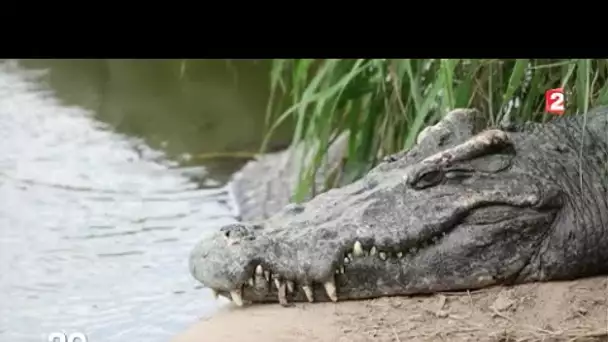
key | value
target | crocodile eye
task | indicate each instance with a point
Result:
(458, 174)
(427, 179)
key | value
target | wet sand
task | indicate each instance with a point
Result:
(559, 311)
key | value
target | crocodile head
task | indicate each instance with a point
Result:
(465, 208)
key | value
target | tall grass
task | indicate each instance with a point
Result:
(385, 103)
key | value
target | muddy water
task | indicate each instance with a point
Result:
(102, 196)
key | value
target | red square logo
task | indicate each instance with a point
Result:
(554, 101)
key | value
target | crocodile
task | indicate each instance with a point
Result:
(264, 185)
(469, 206)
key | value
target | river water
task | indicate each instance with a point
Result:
(101, 199)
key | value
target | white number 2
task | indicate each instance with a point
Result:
(558, 101)
(61, 337)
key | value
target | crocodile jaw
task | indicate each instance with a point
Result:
(338, 259)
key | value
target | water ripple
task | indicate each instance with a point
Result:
(84, 214)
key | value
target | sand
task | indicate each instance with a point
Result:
(558, 311)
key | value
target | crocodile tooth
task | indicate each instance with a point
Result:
(215, 293)
(330, 289)
(346, 260)
(259, 270)
(373, 251)
(399, 255)
(290, 285)
(277, 282)
(282, 294)
(358, 249)
(382, 255)
(237, 298)
(267, 275)
(250, 282)
(308, 292)
(259, 282)
(341, 269)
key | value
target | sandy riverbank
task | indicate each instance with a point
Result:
(560, 311)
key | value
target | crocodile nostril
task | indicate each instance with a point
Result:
(231, 240)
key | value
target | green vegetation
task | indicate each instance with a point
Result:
(384, 103)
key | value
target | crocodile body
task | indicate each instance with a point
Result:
(469, 206)
(264, 186)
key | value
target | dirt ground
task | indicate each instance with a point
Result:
(559, 311)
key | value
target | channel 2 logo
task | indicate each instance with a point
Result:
(62, 337)
(555, 101)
